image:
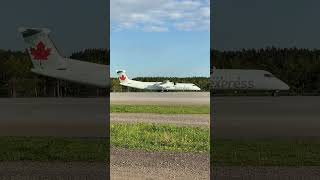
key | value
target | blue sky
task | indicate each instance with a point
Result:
(160, 38)
(259, 24)
(75, 25)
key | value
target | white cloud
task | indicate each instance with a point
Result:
(186, 25)
(160, 15)
(155, 29)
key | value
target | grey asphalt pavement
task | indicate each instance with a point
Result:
(81, 117)
(265, 117)
(190, 98)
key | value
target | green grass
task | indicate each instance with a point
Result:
(49, 149)
(266, 152)
(134, 136)
(161, 109)
(156, 137)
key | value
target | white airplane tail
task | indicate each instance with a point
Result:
(42, 51)
(122, 76)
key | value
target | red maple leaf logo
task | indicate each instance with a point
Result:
(40, 52)
(122, 77)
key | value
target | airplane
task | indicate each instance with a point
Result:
(47, 61)
(160, 86)
(246, 79)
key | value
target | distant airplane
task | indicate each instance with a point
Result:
(47, 61)
(160, 86)
(246, 79)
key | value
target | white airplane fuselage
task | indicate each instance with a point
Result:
(160, 86)
(169, 86)
(245, 79)
(80, 72)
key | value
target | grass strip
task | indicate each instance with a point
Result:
(161, 109)
(156, 137)
(51, 149)
(266, 152)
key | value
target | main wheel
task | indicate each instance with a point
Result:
(275, 93)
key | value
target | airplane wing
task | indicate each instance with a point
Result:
(166, 85)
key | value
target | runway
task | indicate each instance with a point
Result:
(189, 98)
(265, 117)
(69, 117)
(291, 116)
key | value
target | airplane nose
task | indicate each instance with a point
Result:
(284, 86)
(287, 87)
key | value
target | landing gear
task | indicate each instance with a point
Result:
(163, 90)
(275, 93)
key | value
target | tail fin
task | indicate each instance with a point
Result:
(41, 49)
(122, 76)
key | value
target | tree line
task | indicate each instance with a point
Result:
(299, 68)
(16, 79)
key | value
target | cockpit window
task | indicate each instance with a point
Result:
(268, 75)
